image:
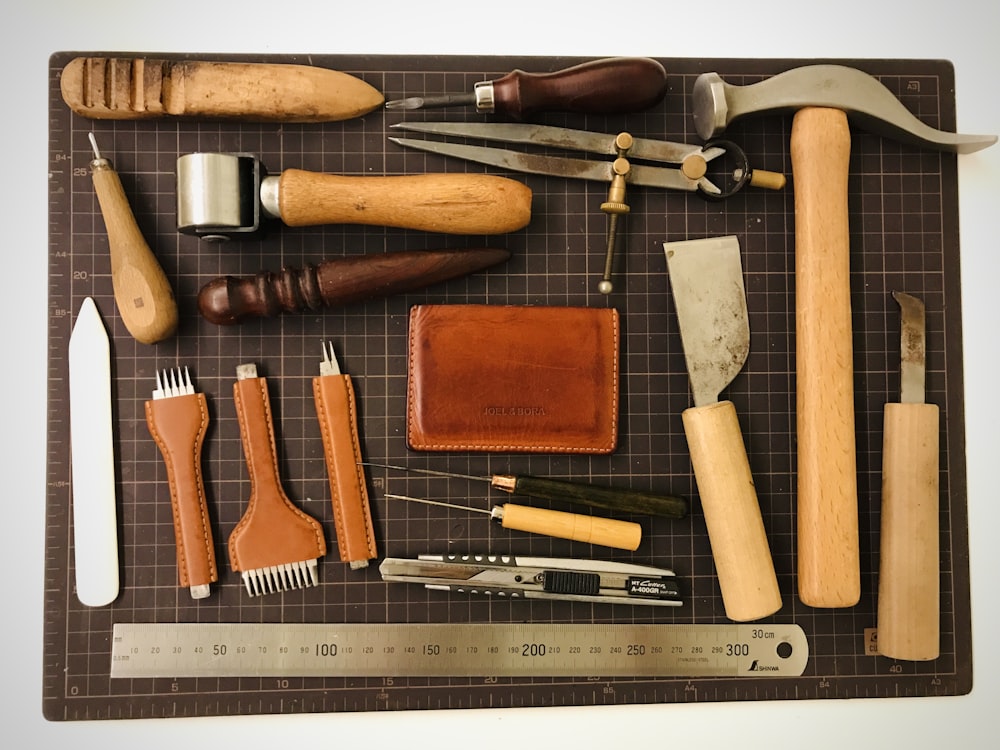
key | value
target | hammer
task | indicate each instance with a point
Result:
(825, 98)
(221, 195)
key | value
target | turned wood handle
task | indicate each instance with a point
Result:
(228, 300)
(136, 88)
(732, 514)
(909, 551)
(607, 86)
(607, 532)
(449, 203)
(143, 294)
(609, 498)
(829, 565)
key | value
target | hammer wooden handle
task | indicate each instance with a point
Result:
(105, 88)
(908, 587)
(829, 565)
(449, 203)
(732, 513)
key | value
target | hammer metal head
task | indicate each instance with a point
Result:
(868, 104)
(218, 194)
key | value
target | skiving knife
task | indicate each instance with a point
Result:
(95, 520)
(706, 280)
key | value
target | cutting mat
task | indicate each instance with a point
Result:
(904, 236)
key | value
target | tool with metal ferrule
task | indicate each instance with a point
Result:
(143, 294)
(909, 596)
(691, 174)
(229, 300)
(92, 447)
(539, 578)
(706, 281)
(177, 417)
(222, 195)
(333, 394)
(595, 496)
(608, 532)
(608, 86)
(275, 546)
(107, 88)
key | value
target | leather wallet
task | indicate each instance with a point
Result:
(509, 378)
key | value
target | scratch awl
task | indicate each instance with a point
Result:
(607, 86)
(106, 88)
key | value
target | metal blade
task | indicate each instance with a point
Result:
(706, 280)
(566, 138)
(556, 166)
(913, 352)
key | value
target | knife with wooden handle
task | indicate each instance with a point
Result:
(909, 550)
(104, 88)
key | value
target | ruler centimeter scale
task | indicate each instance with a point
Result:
(177, 650)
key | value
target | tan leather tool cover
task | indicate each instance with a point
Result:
(337, 414)
(178, 426)
(509, 378)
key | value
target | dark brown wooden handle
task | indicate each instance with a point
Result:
(228, 300)
(596, 496)
(612, 85)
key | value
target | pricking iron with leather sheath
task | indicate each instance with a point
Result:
(177, 418)
(538, 578)
(333, 393)
(275, 545)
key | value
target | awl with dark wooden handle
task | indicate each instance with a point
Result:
(611, 85)
(229, 300)
(909, 548)
(706, 281)
(104, 88)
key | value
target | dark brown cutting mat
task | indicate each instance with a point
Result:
(904, 236)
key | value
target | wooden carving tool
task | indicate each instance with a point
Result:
(909, 596)
(104, 88)
(706, 280)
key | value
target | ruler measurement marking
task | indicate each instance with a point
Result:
(456, 650)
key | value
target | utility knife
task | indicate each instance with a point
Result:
(538, 578)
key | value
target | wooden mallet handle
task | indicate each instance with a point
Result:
(909, 552)
(732, 514)
(829, 566)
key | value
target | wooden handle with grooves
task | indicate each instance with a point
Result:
(909, 595)
(449, 203)
(579, 528)
(829, 566)
(142, 292)
(104, 88)
(732, 513)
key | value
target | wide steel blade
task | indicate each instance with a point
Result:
(565, 138)
(706, 280)
(556, 166)
(913, 352)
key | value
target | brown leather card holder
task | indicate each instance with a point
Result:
(509, 378)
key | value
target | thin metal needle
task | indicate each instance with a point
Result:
(437, 502)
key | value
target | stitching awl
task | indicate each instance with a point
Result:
(275, 546)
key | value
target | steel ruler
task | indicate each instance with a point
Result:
(456, 650)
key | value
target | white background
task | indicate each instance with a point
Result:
(967, 32)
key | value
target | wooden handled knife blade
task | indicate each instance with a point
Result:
(909, 550)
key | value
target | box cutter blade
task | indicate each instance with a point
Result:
(538, 578)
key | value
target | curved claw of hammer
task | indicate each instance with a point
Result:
(867, 102)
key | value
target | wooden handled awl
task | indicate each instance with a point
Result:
(104, 88)
(607, 532)
(142, 292)
(221, 195)
(909, 550)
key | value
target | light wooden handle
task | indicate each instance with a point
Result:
(732, 514)
(449, 203)
(580, 528)
(909, 550)
(829, 563)
(143, 294)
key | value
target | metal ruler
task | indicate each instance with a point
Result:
(456, 650)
